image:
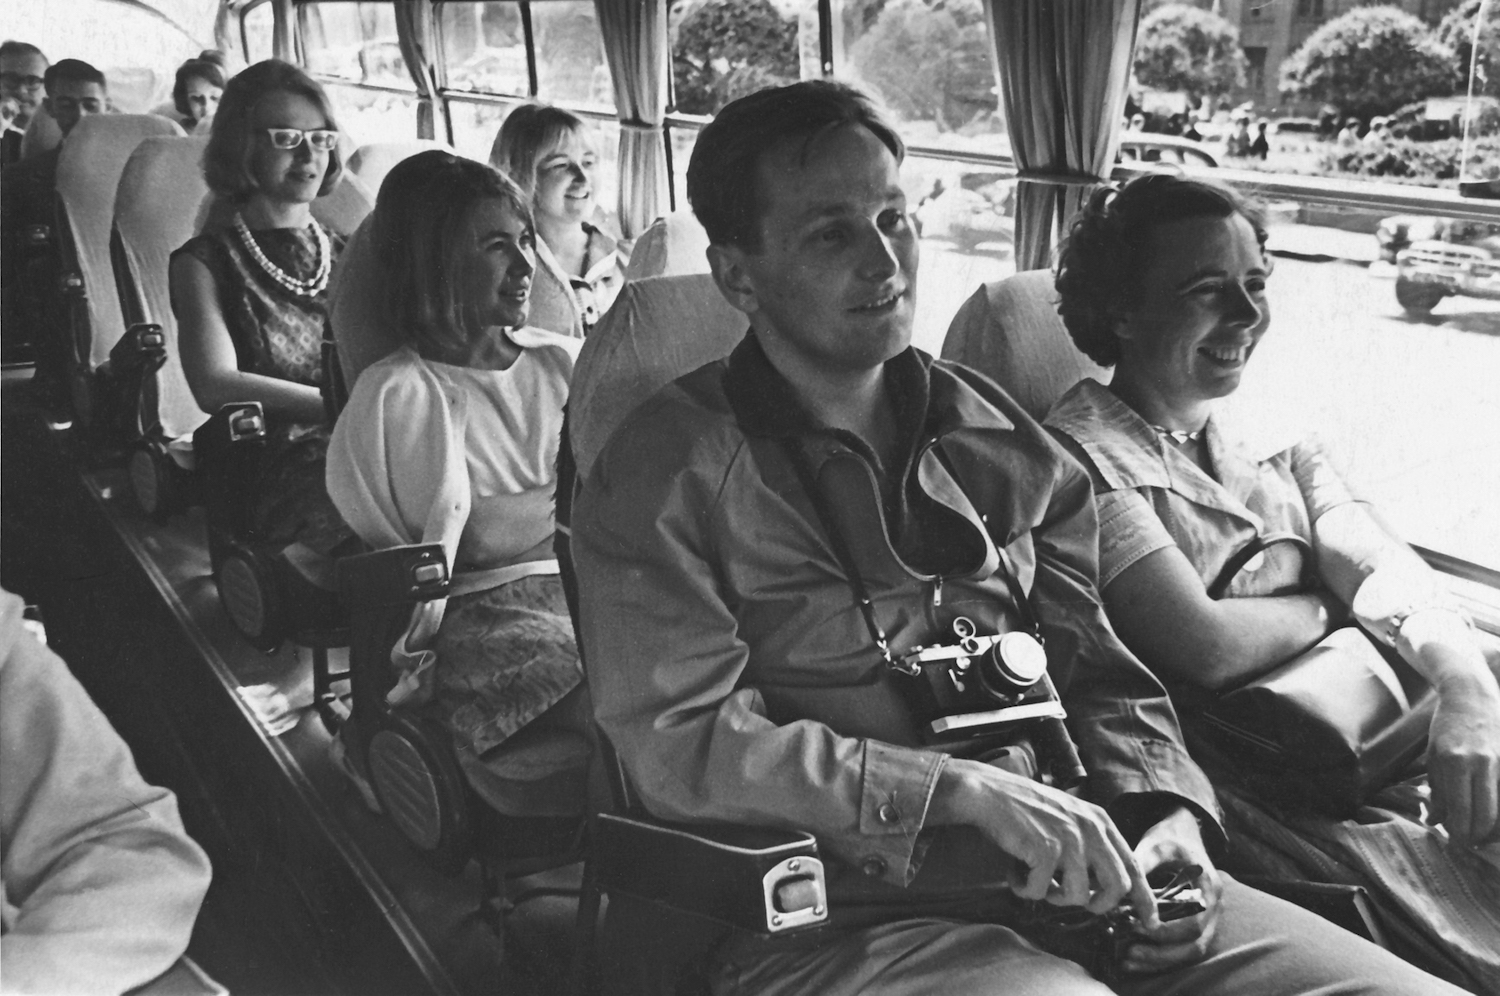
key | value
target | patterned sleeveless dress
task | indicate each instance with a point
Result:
(279, 334)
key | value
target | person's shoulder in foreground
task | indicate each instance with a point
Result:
(101, 884)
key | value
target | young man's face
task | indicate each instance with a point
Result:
(70, 101)
(834, 281)
(21, 80)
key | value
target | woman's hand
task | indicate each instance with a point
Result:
(1463, 751)
(1173, 843)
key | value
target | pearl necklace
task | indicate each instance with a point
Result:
(311, 287)
(1179, 436)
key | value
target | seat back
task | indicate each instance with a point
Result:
(658, 329)
(88, 174)
(340, 210)
(1010, 331)
(155, 205)
(357, 313)
(673, 244)
(373, 161)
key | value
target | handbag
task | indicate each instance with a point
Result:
(1327, 729)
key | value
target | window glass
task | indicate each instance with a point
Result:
(570, 63)
(1378, 345)
(932, 66)
(260, 26)
(373, 115)
(355, 42)
(484, 47)
(1289, 88)
(724, 49)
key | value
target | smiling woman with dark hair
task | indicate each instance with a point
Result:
(251, 295)
(1165, 280)
(453, 439)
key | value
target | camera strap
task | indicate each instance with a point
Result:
(800, 463)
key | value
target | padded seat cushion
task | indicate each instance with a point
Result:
(88, 174)
(674, 244)
(659, 329)
(1011, 332)
(155, 205)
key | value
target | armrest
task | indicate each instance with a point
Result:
(184, 978)
(394, 576)
(757, 879)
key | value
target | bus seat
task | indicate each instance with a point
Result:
(1010, 331)
(658, 329)
(673, 244)
(409, 760)
(373, 161)
(340, 210)
(154, 209)
(42, 133)
(362, 328)
(88, 173)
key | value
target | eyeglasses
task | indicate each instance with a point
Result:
(21, 82)
(321, 139)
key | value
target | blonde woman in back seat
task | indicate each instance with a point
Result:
(453, 439)
(551, 156)
(1165, 280)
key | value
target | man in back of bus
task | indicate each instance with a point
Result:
(760, 543)
(22, 66)
(75, 90)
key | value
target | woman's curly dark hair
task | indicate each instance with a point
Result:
(1100, 263)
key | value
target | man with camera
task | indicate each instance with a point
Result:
(815, 581)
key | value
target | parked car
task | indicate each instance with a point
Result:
(1399, 231)
(980, 208)
(1462, 259)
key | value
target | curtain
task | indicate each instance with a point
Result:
(414, 34)
(635, 43)
(1063, 66)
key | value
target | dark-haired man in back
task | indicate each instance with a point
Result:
(762, 545)
(75, 90)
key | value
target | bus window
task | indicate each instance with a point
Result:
(257, 28)
(723, 51)
(369, 115)
(484, 48)
(570, 63)
(932, 67)
(354, 42)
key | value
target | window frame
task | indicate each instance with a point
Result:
(1319, 191)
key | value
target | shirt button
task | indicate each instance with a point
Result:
(888, 813)
(873, 866)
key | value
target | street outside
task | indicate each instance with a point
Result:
(1408, 407)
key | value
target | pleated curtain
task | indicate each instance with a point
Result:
(635, 43)
(1064, 66)
(414, 34)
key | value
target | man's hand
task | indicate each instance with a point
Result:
(1070, 850)
(1463, 765)
(1170, 844)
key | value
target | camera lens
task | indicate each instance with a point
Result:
(1012, 666)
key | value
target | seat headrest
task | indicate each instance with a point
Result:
(88, 173)
(357, 312)
(1010, 331)
(372, 162)
(155, 206)
(340, 210)
(673, 244)
(658, 329)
